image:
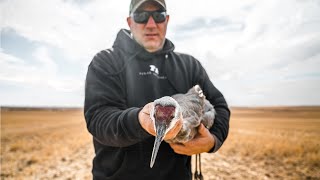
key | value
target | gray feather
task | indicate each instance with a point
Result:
(195, 109)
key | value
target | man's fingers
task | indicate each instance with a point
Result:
(203, 142)
(180, 149)
(202, 130)
(145, 120)
(179, 124)
(147, 108)
(145, 113)
(177, 147)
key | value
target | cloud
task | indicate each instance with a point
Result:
(273, 60)
(79, 30)
(257, 52)
(44, 73)
(16, 95)
(42, 56)
(208, 25)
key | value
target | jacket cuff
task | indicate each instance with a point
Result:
(216, 146)
(134, 124)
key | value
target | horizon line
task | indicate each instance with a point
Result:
(81, 107)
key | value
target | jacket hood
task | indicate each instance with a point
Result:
(126, 43)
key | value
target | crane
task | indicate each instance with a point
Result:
(166, 111)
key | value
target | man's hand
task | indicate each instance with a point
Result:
(202, 142)
(175, 129)
(144, 119)
(148, 125)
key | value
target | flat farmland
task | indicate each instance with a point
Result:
(263, 143)
(45, 144)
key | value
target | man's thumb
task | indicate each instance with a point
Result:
(201, 129)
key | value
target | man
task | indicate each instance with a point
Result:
(121, 84)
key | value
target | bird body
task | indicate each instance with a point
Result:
(193, 106)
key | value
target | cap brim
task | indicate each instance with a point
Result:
(141, 2)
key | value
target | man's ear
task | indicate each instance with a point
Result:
(129, 21)
(168, 17)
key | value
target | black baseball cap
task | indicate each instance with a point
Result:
(135, 4)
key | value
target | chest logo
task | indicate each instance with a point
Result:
(153, 71)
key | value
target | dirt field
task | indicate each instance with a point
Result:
(263, 143)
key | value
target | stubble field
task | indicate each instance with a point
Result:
(263, 143)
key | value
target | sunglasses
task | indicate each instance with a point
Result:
(142, 17)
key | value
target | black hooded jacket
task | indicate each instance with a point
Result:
(119, 82)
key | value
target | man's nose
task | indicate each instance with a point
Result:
(151, 23)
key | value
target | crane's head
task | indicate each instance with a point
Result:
(165, 115)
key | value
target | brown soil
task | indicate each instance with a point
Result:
(263, 143)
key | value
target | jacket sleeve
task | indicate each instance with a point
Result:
(220, 127)
(108, 118)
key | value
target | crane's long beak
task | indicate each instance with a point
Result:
(160, 132)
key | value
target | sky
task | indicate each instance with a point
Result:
(256, 52)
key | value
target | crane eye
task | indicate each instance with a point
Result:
(172, 116)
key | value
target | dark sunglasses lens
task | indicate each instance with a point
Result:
(159, 17)
(143, 17)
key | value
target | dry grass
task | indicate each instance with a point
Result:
(263, 143)
(289, 135)
(35, 142)
(275, 143)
